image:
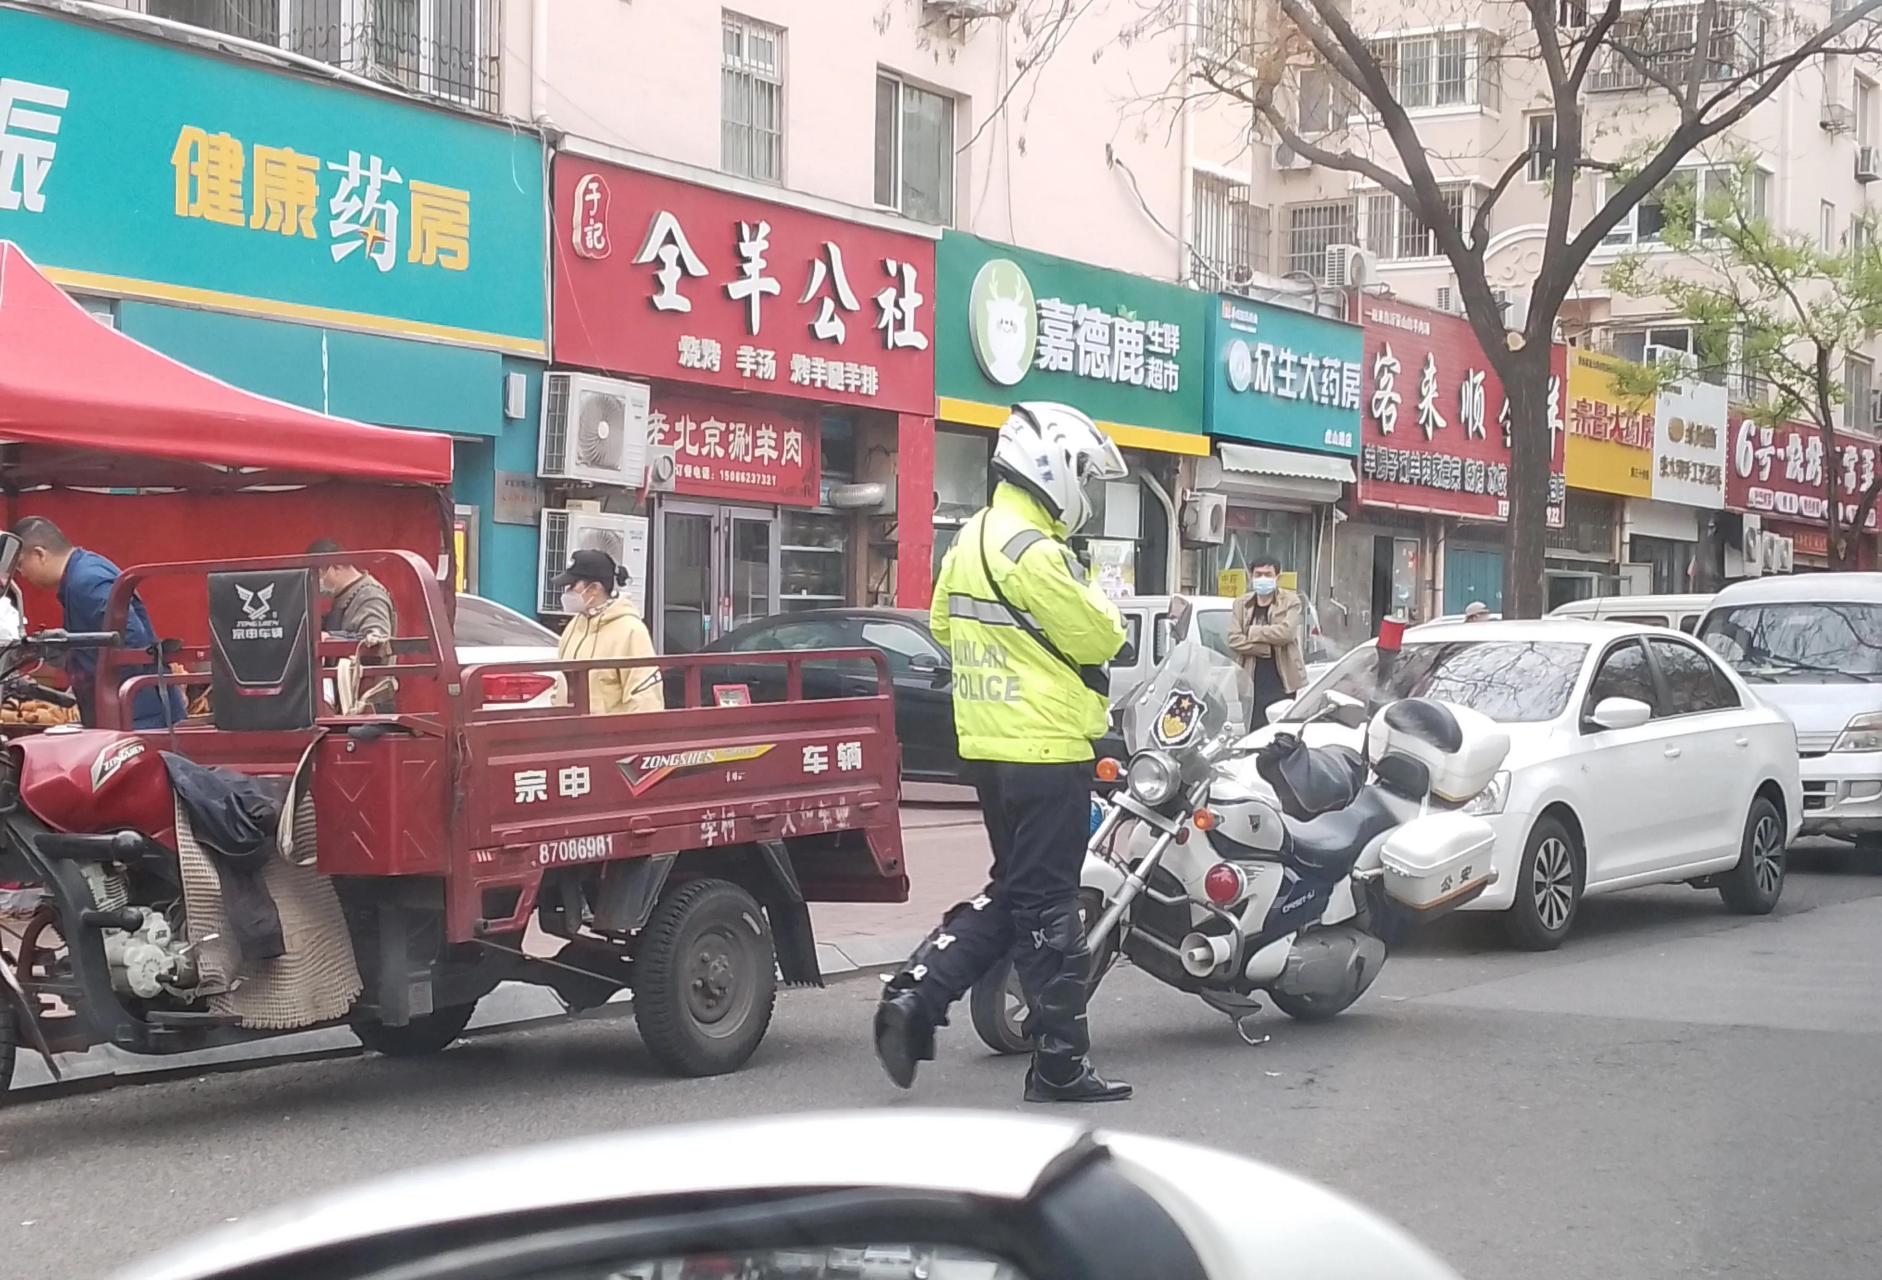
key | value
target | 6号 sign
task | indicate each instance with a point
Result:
(1784, 471)
(660, 277)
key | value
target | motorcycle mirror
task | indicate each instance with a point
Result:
(909, 1194)
(10, 547)
(1182, 615)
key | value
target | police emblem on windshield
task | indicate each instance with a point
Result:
(1179, 720)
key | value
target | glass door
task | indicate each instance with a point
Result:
(749, 588)
(719, 571)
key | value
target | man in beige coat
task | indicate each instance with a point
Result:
(1264, 633)
(604, 625)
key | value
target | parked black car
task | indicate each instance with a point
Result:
(919, 668)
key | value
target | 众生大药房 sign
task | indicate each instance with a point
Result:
(1284, 377)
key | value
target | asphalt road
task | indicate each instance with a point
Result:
(1677, 1093)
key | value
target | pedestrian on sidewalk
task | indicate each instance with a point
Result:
(1029, 637)
(1264, 634)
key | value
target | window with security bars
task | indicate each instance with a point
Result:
(1223, 28)
(1657, 46)
(1446, 69)
(1230, 237)
(1858, 380)
(436, 48)
(1395, 232)
(751, 102)
(1312, 228)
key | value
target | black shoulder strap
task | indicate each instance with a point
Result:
(1020, 619)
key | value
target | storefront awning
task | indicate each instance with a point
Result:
(1256, 460)
(83, 404)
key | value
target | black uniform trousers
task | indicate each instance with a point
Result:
(1038, 820)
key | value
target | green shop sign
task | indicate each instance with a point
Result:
(1014, 325)
(136, 167)
(1283, 376)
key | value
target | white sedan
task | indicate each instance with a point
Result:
(1635, 758)
(490, 632)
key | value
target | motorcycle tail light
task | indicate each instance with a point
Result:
(1224, 883)
(1109, 770)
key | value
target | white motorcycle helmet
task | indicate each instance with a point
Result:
(1055, 452)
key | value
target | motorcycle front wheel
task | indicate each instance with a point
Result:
(998, 1004)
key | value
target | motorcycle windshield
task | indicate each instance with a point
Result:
(1192, 698)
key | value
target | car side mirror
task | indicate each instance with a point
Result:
(1182, 616)
(928, 664)
(1126, 656)
(1620, 713)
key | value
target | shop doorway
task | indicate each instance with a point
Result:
(1471, 573)
(1394, 579)
(718, 571)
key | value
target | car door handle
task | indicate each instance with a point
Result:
(1672, 753)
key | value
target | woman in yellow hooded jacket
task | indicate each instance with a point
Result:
(605, 625)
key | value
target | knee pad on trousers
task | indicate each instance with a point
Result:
(929, 964)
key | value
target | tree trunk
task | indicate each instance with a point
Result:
(1525, 376)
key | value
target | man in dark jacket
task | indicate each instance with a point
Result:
(361, 605)
(83, 580)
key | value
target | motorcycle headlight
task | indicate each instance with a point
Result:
(1862, 733)
(1153, 778)
(1492, 798)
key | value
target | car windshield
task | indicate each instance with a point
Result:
(484, 624)
(1511, 681)
(1798, 640)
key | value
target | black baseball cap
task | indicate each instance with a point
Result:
(589, 565)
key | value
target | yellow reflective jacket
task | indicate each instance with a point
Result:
(1013, 700)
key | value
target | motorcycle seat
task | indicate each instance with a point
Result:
(1327, 846)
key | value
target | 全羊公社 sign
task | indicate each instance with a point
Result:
(137, 167)
(720, 287)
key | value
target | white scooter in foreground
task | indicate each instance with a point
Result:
(1232, 885)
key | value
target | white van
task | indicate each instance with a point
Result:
(1680, 612)
(1811, 645)
(1147, 638)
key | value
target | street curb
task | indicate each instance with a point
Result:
(511, 1006)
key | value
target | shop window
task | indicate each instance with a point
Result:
(960, 474)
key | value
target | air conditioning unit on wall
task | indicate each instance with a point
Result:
(564, 533)
(1349, 267)
(594, 430)
(1205, 519)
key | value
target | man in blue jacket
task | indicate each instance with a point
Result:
(83, 580)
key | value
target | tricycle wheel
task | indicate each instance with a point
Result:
(705, 979)
(427, 1034)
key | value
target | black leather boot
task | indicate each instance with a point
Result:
(904, 1037)
(1086, 1086)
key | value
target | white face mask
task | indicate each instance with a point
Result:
(1263, 586)
(574, 602)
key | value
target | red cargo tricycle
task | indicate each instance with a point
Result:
(419, 853)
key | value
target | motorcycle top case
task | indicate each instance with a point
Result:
(1436, 858)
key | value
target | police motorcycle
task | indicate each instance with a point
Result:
(1279, 872)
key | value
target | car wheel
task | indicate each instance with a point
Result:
(1548, 888)
(427, 1034)
(705, 979)
(1753, 887)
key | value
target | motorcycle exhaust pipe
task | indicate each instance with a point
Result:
(1203, 954)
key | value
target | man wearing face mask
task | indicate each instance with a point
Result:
(1264, 633)
(361, 605)
(605, 625)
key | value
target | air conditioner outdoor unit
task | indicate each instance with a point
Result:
(1836, 118)
(1751, 546)
(1785, 561)
(1285, 157)
(1684, 361)
(564, 533)
(1205, 519)
(1349, 267)
(594, 430)
(1868, 164)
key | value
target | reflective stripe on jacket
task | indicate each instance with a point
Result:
(1013, 700)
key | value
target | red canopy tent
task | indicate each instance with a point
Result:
(144, 459)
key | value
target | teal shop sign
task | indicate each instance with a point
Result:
(1015, 325)
(136, 167)
(1284, 377)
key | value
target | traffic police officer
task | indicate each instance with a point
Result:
(1029, 637)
